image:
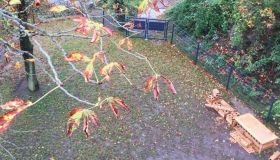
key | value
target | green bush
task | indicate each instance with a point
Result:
(201, 18)
(250, 26)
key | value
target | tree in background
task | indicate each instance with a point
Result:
(251, 29)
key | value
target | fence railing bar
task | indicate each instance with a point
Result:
(272, 102)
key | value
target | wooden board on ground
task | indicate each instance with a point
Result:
(219, 107)
(275, 156)
(243, 141)
(257, 132)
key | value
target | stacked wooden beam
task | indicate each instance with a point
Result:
(275, 156)
(215, 102)
(247, 130)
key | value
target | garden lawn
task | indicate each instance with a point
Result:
(175, 127)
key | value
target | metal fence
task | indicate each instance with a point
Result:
(235, 80)
(149, 28)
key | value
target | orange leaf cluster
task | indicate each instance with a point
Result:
(113, 102)
(77, 56)
(86, 25)
(78, 114)
(152, 84)
(75, 116)
(107, 69)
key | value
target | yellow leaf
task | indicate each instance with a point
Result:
(57, 8)
(18, 65)
(88, 72)
(14, 2)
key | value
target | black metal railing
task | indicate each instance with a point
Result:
(258, 97)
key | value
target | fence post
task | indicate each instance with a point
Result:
(272, 101)
(197, 53)
(146, 29)
(166, 30)
(229, 76)
(172, 35)
(103, 14)
(126, 30)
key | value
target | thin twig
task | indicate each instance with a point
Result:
(10, 154)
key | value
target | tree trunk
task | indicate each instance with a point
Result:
(26, 45)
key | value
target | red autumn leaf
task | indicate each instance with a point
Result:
(113, 102)
(75, 117)
(94, 119)
(82, 30)
(76, 56)
(85, 25)
(16, 106)
(95, 36)
(152, 84)
(106, 70)
(37, 2)
(86, 126)
(80, 19)
(121, 103)
(12, 104)
(156, 91)
(88, 72)
(114, 109)
(108, 31)
(129, 25)
(155, 5)
(169, 84)
(100, 55)
(74, 120)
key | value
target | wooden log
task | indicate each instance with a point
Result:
(216, 93)
(219, 107)
(275, 156)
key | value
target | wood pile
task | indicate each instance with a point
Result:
(215, 102)
(247, 130)
(275, 156)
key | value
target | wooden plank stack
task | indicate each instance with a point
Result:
(215, 102)
(261, 137)
(275, 156)
(247, 131)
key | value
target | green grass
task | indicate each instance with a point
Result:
(173, 126)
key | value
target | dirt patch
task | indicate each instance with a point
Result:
(21, 90)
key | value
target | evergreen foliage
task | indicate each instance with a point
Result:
(251, 27)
